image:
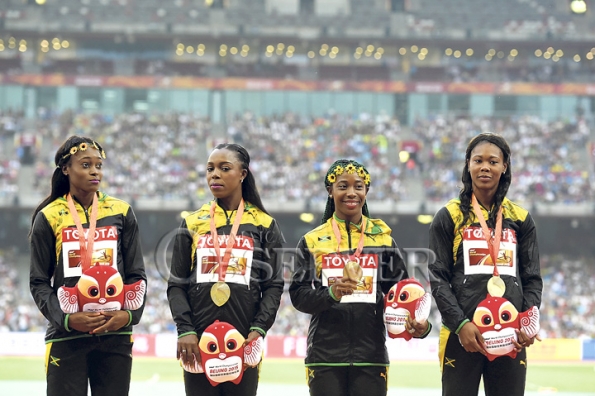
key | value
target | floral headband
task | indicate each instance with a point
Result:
(350, 168)
(83, 147)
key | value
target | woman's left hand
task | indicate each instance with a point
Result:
(416, 329)
(251, 337)
(524, 340)
(115, 321)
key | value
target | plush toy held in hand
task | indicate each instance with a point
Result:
(101, 289)
(406, 298)
(223, 354)
(496, 318)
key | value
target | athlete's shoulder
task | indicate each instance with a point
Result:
(512, 210)
(377, 227)
(258, 217)
(322, 232)
(57, 207)
(109, 205)
(201, 214)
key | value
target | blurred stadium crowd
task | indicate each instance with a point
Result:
(163, 156)
(567, 311)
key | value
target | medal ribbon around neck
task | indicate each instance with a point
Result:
(86, 244)
(360, 244)
(222, 270)
(493, 241)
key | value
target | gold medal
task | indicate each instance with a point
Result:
(220, 293)
(353, 271)
(496, 286)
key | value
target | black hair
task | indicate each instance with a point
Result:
(330, 177)
(60, 182)
(249, 189)
(505, 179)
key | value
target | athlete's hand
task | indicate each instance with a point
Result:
(187, 349)
(471, 339)
(115, 321)
(251, 337)
(86, 322)
(524, 340)
(415, 328)
(343, 287)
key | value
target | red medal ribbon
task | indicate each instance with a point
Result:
(492, 240)
(86, 243)
(360, 244)
(222, 270)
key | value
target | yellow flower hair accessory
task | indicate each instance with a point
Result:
(350, 168)
(83, 147)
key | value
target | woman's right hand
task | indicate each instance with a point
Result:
(343, 287)
(86, 322)
(471, 339)
(188, 349)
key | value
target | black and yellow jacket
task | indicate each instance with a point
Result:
(353, 333)
(251, 306)
(458, 293)
(49, 271)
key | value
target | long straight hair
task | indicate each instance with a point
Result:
(505, 179)
(60, 182)
(249, 189)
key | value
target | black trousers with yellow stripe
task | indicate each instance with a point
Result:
(462, 370)
(102, 362)
(347, 380)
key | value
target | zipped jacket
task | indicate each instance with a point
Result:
(54, 262)
(463, 265)
(254, 273)
(341, 333)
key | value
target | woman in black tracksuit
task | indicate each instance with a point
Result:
(459, 284)
(91, 346)
(346, 352)
(253, 279)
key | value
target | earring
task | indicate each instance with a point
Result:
(241, 180)
(330, 196)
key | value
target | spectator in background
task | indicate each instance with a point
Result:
(84, 347)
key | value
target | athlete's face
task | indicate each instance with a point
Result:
(225, 174)
(486, 166)
(349, 194)
(84, 171)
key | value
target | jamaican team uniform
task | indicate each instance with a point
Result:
(254, 276)
(346, 338)
(459, 283)
(73, 356)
